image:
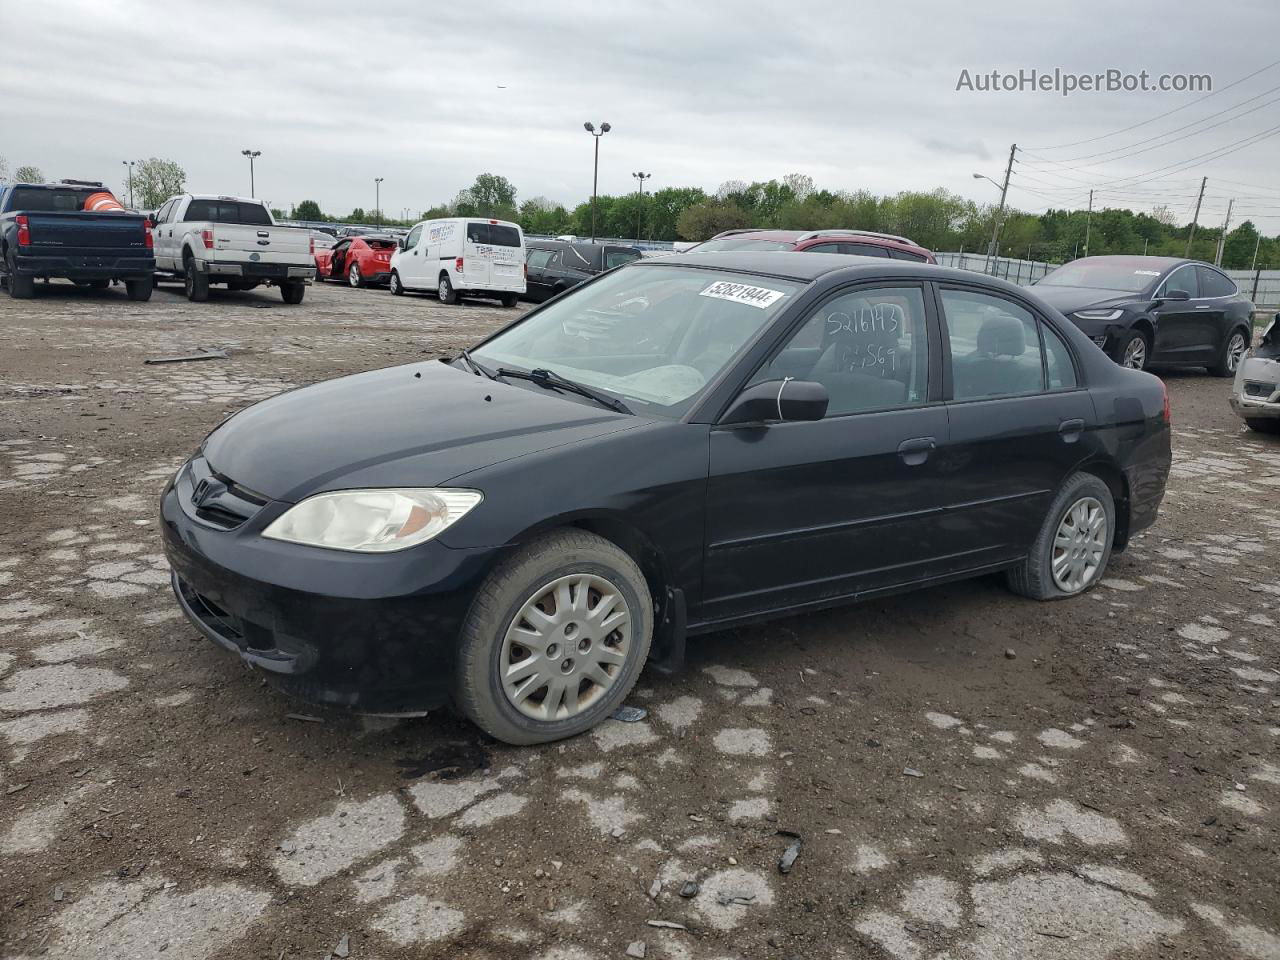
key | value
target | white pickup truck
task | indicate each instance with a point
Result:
(203, 239)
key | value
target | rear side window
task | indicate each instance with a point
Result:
(863, 250)
(906, 255)
(47, 201)
(823, 248)
(229, 211)
(616, 258)
(1058, 364)
(995, 346)
(1214, 284)
(539, 258)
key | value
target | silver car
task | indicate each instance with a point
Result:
(1255, 395)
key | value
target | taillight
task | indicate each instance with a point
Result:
(146, 230)
(207, 237)
(1168, 412)
(526, 271)
(457, 265)
(313, 246)
(24, 230)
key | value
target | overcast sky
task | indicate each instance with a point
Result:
(426, 95)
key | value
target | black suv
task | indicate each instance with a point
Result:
(557, 265)
(1154, 310)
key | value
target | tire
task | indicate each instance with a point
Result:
(292, 291)
(1132, 350)
(1034, 576)
(1262, 425)
(561, 561)
(509, 300)
(194, 282)
(20, 287)
(139, 289)
(1232, 352)
(394, 285)
(353, 276)
(445, 290)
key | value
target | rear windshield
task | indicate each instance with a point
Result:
(1104, 275)
(229, 211)
(616, 258)
(743, 243)
(47, 201)
(381, 244)
(494, 234)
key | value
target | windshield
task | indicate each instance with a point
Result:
(653, 336)
(743, 243)
(1102, 274)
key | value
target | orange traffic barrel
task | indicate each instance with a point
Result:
(102, 202)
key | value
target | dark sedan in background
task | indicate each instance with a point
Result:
(1154, 310)
(556, 265)
(678, 446)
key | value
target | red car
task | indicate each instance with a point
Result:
(861, 243)
(358, 260)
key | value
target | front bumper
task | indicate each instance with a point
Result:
(372, 633)
(86, 266)
(1255, 395)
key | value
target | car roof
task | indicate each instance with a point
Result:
(1162, 263)
(220, 196)
(807, 267)
(821, 236)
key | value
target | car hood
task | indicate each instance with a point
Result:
(415, 425)
(1071, 299)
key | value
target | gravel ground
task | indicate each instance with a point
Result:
(971, 775)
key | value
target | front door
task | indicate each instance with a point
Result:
(410, 262)
(800, 513)
(1180, 325)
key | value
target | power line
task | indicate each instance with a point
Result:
(1159, 116)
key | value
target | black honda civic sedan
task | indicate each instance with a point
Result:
(679, 445)
(1155, 310)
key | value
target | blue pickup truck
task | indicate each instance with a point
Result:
(45, 231)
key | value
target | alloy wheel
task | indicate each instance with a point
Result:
(1236, 348)
(353, 275)
(566, 647)
(1135, 354)
(1079, 545)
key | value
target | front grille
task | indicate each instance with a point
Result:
(1258, 388)
(219, 501)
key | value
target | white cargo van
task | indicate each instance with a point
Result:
(462, 256)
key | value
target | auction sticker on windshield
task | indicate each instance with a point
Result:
(761, 297)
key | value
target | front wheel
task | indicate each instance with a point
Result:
(1133, 350)
(353, 276)
(1229, 357)
(292, 291)
(139, 289)
(395, 285)
(445, 290)
(1071, 551)
(555, 639)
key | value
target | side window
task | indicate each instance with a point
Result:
(995, 348)
(556, 259)
(1184, 279)
(163, 213)
(1061, 370)
(869, 348)
(477, 233)
(863, 250)
(1214, 284)
(538, 259)
(411, 241)
(907, 255)
(823, 248)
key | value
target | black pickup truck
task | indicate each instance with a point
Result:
(45, 231)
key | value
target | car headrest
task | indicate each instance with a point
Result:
(1001, 337)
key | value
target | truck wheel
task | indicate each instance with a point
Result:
(555, 639)
(20, 287)
(445, 290)
(510, 299)
(353, 276)
(195, 282)
(395, 285)
(139, 289)
(292, 291)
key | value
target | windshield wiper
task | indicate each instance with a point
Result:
(476, 366)
(548, 378)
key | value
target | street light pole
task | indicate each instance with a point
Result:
(377, 200)
(252, 155)
(129, 164)
(642, 177)
(595, 176)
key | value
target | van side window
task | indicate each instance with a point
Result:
(411, 241)
(500, 235)
(477, 233)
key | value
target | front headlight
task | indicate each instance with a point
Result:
(372, 521)
(1099, 314)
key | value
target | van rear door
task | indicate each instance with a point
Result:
(497, 250)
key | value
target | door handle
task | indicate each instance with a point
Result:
(1203, 306)
(1070, 430)
(915, 452)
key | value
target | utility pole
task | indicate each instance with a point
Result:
(642, 177)
(1257, 242)
(1145, 241)
(377, 200)
(1222, 239)
(1196, 217)
(129, 164)
(1004, 190)
(1088, 223)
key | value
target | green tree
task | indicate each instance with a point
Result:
(1237, 252)
(704, 220)
(28, 174)
(542, 217)
(490, 196)
(307, 210)
(358, 215)
(156, 180)
(4, 169)
(663, 209)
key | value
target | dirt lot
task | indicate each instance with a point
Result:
(972, 775)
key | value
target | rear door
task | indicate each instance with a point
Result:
(506, 264)
(1217, 290)
(1018, 416)
(538, 260)
(477, 255)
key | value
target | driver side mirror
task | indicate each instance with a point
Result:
(403, 243)
(775, 400)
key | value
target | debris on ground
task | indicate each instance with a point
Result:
(636, 949)
(191, 357)
(911, 772)
(343, 949)
(689, 889)
(788, 859)
(666, 924)
(304, 717)
(630, 714)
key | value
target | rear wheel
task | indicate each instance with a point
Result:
(1133, 350)
(445, 290)
(20, 287)
(1232, 352)
(194, 282)
(510, 299)
(292, 291)
(1262, 425)
(139, 289)
(353, 276)
(555, 639)
(1071, 551)
(395, 285)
